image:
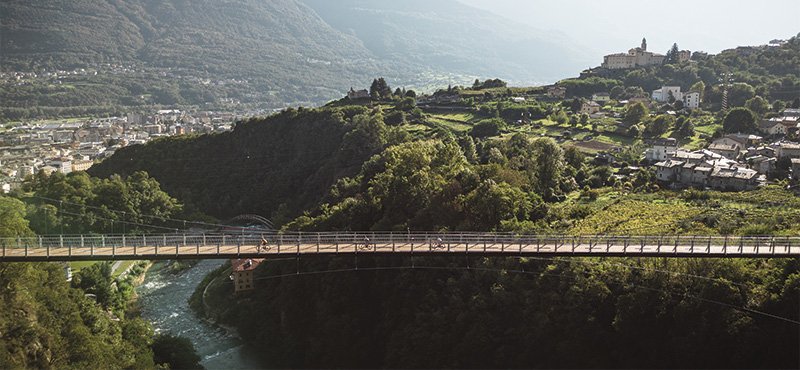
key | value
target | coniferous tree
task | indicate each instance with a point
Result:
(672, 55)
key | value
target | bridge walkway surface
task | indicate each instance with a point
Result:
(274, 245)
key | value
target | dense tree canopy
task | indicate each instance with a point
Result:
(740, 120)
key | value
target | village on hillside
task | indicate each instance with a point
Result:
(594, 122)
(75, 145)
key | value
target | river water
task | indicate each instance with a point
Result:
(164, 299)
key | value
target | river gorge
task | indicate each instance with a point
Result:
(164, 302)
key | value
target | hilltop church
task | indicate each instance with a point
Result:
(636, 57)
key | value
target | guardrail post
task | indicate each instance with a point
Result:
(772, 244)
(317, 243)
(725, 246)
(69, 247)
(691, 251)
(299, 238)
(40, 245)
(280, 239)
(19, 245)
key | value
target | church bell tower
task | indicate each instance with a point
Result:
(644, 44)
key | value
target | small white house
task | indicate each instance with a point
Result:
(663, 94)
(691, 99)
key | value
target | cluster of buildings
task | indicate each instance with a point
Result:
(74, 146)
(785, 124)
(732, 162)
(670, 94)
(638, 57)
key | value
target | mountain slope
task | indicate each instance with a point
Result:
(276, 53)
(280, 47)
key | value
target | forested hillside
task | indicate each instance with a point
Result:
(277, 166)
(47, 322)
(518, 313)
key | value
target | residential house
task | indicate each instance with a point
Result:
(662, 149)
(762, 164)
(791, 112)
(772, 127)
(748, 140)
(725, 150)
(735, 178)
(668, 170)
(691, 99)
(795, 168)
(787, 149)
(81, 165)
(590, 107)
(243, 273)
(601, 97)
(645, 101)
(740, 141)
(603, 158)
(63, 165)
(556, 92)
(357, 94)
(668, 94)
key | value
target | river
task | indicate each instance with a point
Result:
(164, 299)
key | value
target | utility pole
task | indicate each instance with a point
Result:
(725, 78)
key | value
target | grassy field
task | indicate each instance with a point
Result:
(79, 265)
(708, 129)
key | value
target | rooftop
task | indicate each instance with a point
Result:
(246, 264)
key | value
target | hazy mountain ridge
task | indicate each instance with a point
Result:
(457, 37)
(292, 44)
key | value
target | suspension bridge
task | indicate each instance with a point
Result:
(307, 244)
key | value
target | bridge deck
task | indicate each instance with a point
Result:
(210, 246)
